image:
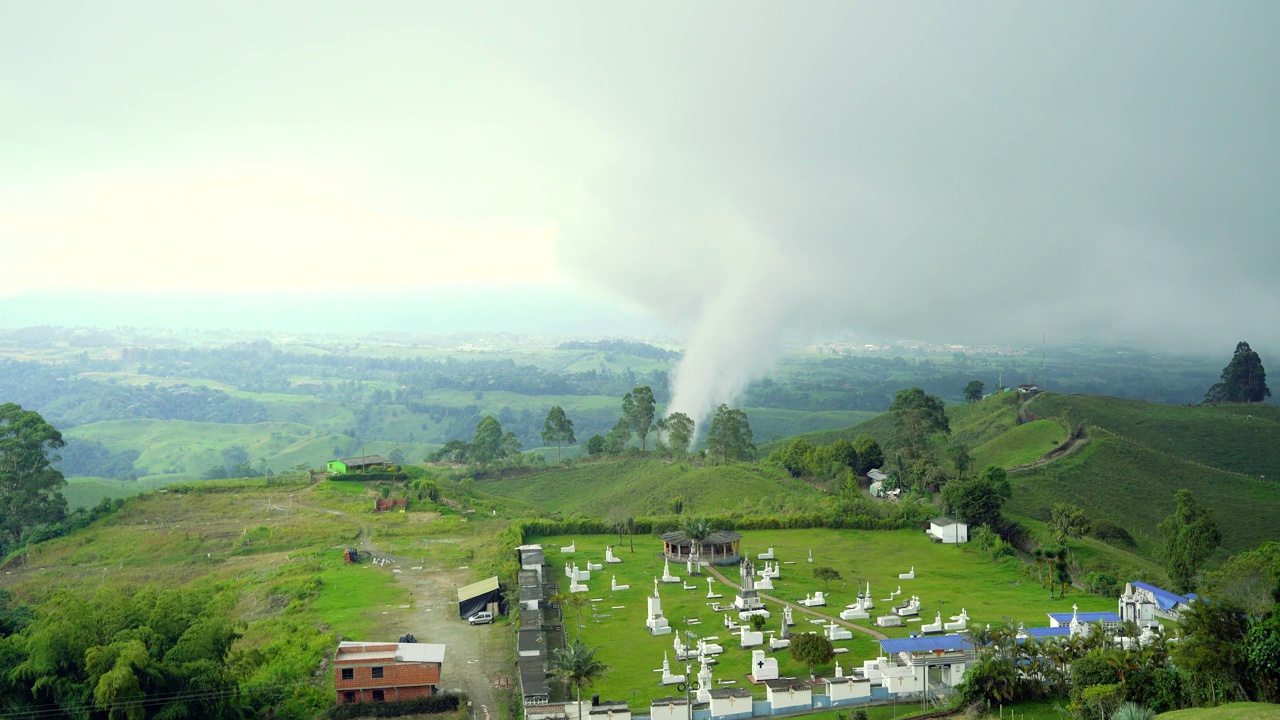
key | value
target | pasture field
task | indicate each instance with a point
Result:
(1021, 445)
(1133, 486)
(958, 576)
(1240, 438)
(647, 485)
(85, 492)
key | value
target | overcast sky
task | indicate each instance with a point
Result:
(748, 171)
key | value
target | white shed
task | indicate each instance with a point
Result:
(946, 530)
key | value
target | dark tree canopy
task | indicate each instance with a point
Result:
(678, 428)
(975, 501)
(557, 429)
(1189, 535)
(638, 409)
(30, 488)
(870, 454)
(919, 415)
(730, 435)
(973, 391)
(811, 649)
(1244, 379)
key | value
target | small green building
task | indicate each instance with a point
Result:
(365, 463)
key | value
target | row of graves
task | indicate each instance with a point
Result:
(928, 664)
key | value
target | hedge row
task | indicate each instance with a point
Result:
(373, 476)
(442, 703)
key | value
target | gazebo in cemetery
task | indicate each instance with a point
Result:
(721, 547)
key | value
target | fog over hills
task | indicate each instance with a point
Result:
(740, 174)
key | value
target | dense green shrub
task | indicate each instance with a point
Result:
(1112, 534)
(1100, 583)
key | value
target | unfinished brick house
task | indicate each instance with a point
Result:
(386, 672)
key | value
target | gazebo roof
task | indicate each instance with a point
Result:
(718, 537)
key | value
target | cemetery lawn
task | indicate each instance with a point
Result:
(959, 576)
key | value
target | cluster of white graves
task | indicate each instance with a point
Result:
(897, 672)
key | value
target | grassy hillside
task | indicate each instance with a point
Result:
(1139, 454)
(647, 486)
(1239, 438)
(1133, 486)
(972, 424)
(1020, 445)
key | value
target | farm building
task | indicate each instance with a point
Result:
(1028, 389)
(386, 672)
(483, 595)
(946, 530)
(361, 464)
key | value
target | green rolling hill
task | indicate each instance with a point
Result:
(647, 486)
(1136, 455)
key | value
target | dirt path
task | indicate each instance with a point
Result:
(473, 658)
(873, 633)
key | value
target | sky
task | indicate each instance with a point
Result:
(745, 173)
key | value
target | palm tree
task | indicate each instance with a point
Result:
(1124, 662)
(576, 666)
(980, 636)
(1133, 711)
(697, 530)
(577, 601)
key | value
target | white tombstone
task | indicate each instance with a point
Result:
(815, 600)
(959, 622)
(810, 554)
(749, 637)
(766, 555)
(667, 577)
(667, 677)
(656, 623)
(786, 615)
(705, 684)
(855, 613)
(711, 594)
(616, 586)
(909, 608)
(868, 603)
(933, 627)
(835, 632)
(609, 557)
(571, 547)
(763, 667)
(577, 587)
(708, 649)
(764, 583)
(594, 566)
(908, 575)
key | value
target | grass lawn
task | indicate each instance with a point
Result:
(354, 597)
(1230, 711)
(957, 575)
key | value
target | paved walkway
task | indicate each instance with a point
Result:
(873, 633)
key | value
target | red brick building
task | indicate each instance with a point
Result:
(386, 672)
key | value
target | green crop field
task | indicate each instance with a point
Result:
(646, 486)
(1133, 486)
(957, 576)
(1237, 438)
